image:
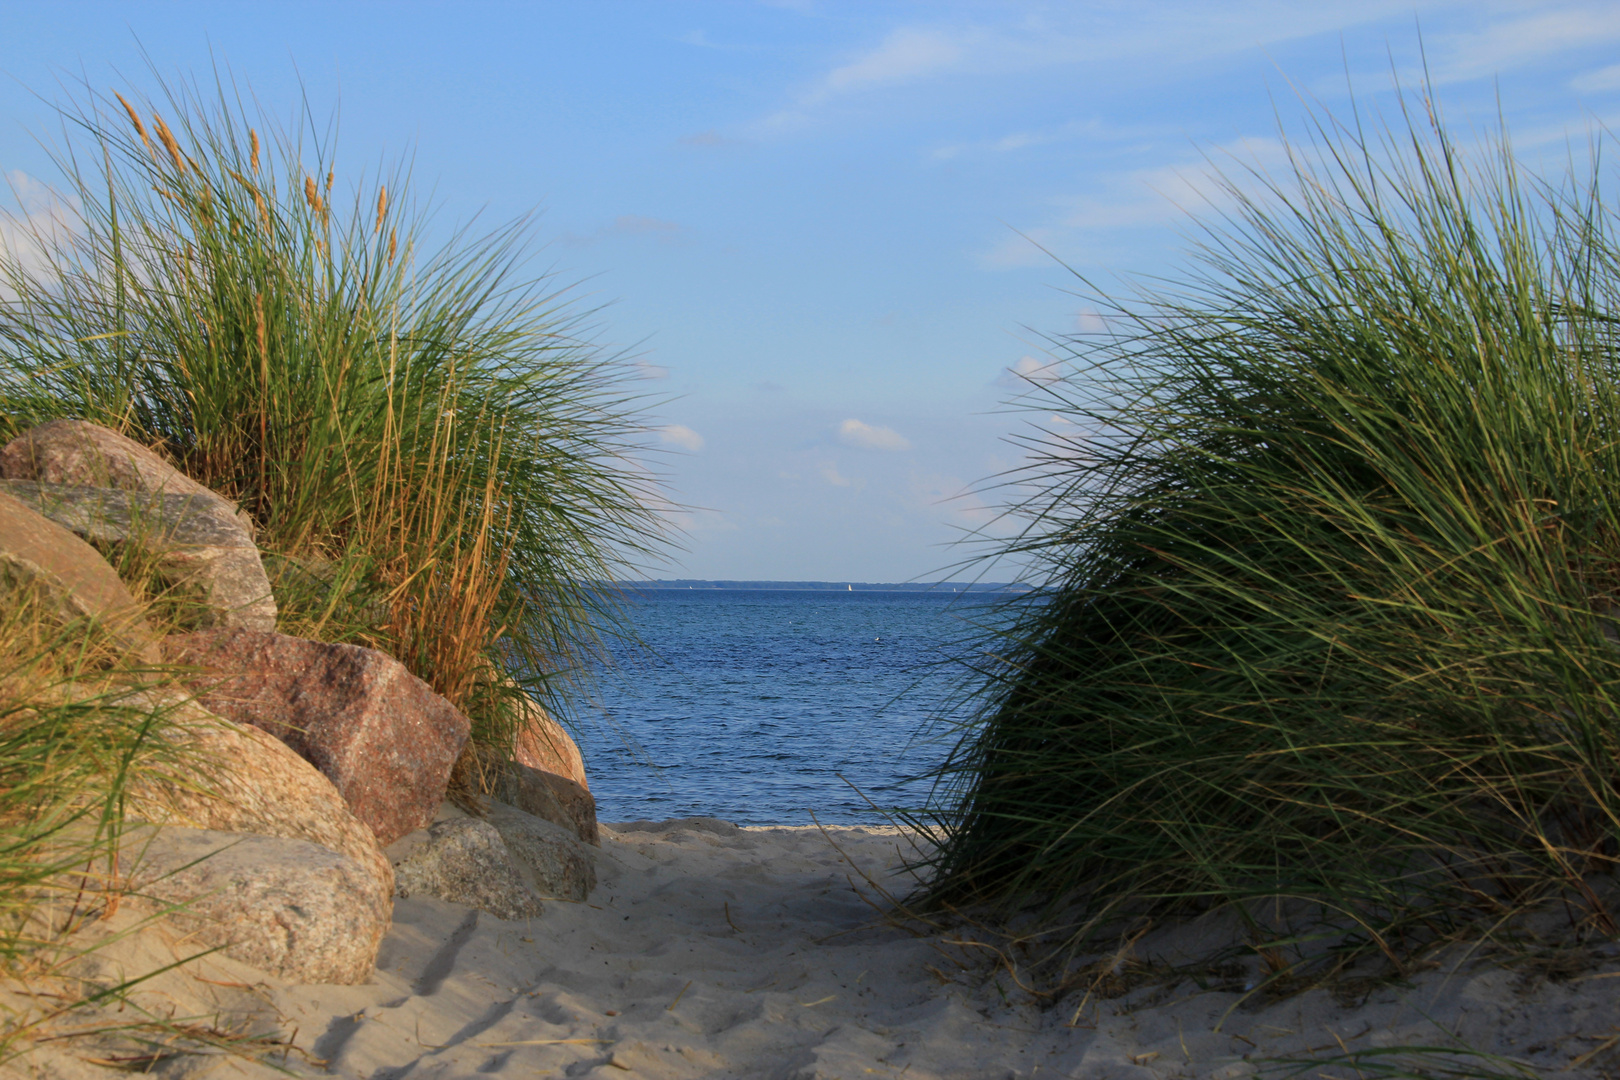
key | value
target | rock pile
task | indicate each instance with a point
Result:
(314, 778)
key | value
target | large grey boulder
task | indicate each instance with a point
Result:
(465, 861)
(236, 778)
(377, 732)
(195, 541)
(543, 794)
(297, 910)
(69, 575)
(79, 453)
(557, 863)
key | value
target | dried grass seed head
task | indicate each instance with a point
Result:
(170, 143)
(135, 118)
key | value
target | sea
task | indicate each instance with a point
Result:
(778, 706)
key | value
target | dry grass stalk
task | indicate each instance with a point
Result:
(135, 118)
(170, 144)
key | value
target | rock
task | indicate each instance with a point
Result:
(194, 540)
(80, 453)
(545, 795)
(543, 744)
(551, 797)
(297, 910)
(559, 865)
(237, 778)
(380, 734)
(712, 825)
(70, 575)
(465, 861)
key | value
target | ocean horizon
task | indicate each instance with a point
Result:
(829, 586)
(778, 703)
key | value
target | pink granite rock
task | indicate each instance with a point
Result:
(88, 455)
(380, 734)
(544, 744)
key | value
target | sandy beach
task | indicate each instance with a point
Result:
(709, 950)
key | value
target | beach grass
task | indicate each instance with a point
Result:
(1329, 574)
(72, 741)
(439, 463)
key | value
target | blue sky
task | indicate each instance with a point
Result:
(810, 219)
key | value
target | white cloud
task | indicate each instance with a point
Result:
(1602, 79)
(1152, 43)
(1090, 322)
(871, 436)
(1030, 370)
(43, 221)
(1026, 247)
(703, 522)
(1511, 43)
(1145, 197)
(963, 505)
(651, 371)
(1020, 140)
(682, 436)
(906, 54)
(1168, 192)
(830, 473)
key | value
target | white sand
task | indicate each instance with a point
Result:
(804, 980)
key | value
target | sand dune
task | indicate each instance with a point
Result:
(713, 951)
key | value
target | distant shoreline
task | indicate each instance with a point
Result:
(829, 586)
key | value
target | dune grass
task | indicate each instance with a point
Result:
(70, 745)
(439, 463)
(1330, 569)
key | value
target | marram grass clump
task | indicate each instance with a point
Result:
(438, 463)
(1330, 568)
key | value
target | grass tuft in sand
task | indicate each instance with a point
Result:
(1329, 562)
(440, 463)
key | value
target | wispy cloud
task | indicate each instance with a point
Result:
(711, 140)
(964, 507)
(1514, 42)
(700, 39)
(1150, 196)
(830, 473)
(665, 232)
(1026, 247)
(1607, 78)
(907, 54)
(1023, 140)
(865, 436)
(1153, 43)
(682, 436)
(1164, 193)
(42, 219)
(1030, 371)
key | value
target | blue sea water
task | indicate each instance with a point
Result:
(754, 702)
